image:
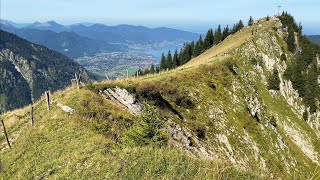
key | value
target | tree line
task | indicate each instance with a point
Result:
(302, 70)
(193, 49)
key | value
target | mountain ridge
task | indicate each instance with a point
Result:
(216, 113)
(118, 31)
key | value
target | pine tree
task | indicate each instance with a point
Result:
(189, 51)
(169, 60)
(182, 56)
(192, 46)
(163, 62)
(240, 25)
(152, 70)
(291, 39)
(250, 22)
(312, 87)
(176, 61)
(146, 71)
(157, 69)
(208, 41)
(225, 32)
(274, 80)
(234, 29)
(198, 48)
(218, 35)
(283, 57)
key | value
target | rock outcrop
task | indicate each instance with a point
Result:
(123, 98)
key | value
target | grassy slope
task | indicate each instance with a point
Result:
(83, 146)
(87, 144)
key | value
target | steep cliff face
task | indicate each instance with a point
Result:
(216, 108)
(39, 67)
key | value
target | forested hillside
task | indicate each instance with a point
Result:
(27, 70)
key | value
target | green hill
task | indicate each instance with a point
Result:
(212, 118)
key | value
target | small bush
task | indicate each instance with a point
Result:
(232, 66)
(305, 115)
(201, 133)
(274, 80)
(212, 85)
(254, 61)
(147, 130)
(283, 57)
(268, 18)
(273, 121)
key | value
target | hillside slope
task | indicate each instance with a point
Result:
(27, 70)
(213, 118)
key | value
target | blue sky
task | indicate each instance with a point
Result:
(195, 15)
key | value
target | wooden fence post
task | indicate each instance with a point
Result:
(5, 134)
(31, 114)
(77, 79)
(47, 99)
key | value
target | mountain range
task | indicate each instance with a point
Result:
(67, 43)
(78, 40)
(118, 34)
(315, 39)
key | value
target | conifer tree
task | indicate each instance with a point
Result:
(192, 46)
(208, 41)
(163, 62)
(169, 60)
(146, 71)
(182, 56)
(274, 80)
(250, 22)
(312, 87)
(225, 32)
(152, 70)
(240, 25)
(218, 35)
(176, 61)
(198, 48)
(291, 39)
(189, 51)
(234, 28)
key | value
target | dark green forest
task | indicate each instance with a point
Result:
(303, 70)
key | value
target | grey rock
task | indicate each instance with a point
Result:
(124, 98)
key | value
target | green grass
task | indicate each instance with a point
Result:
(83, 146)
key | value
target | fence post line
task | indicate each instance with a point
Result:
(47, 99)
(5, 134)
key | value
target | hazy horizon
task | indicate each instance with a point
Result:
(185, 15)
